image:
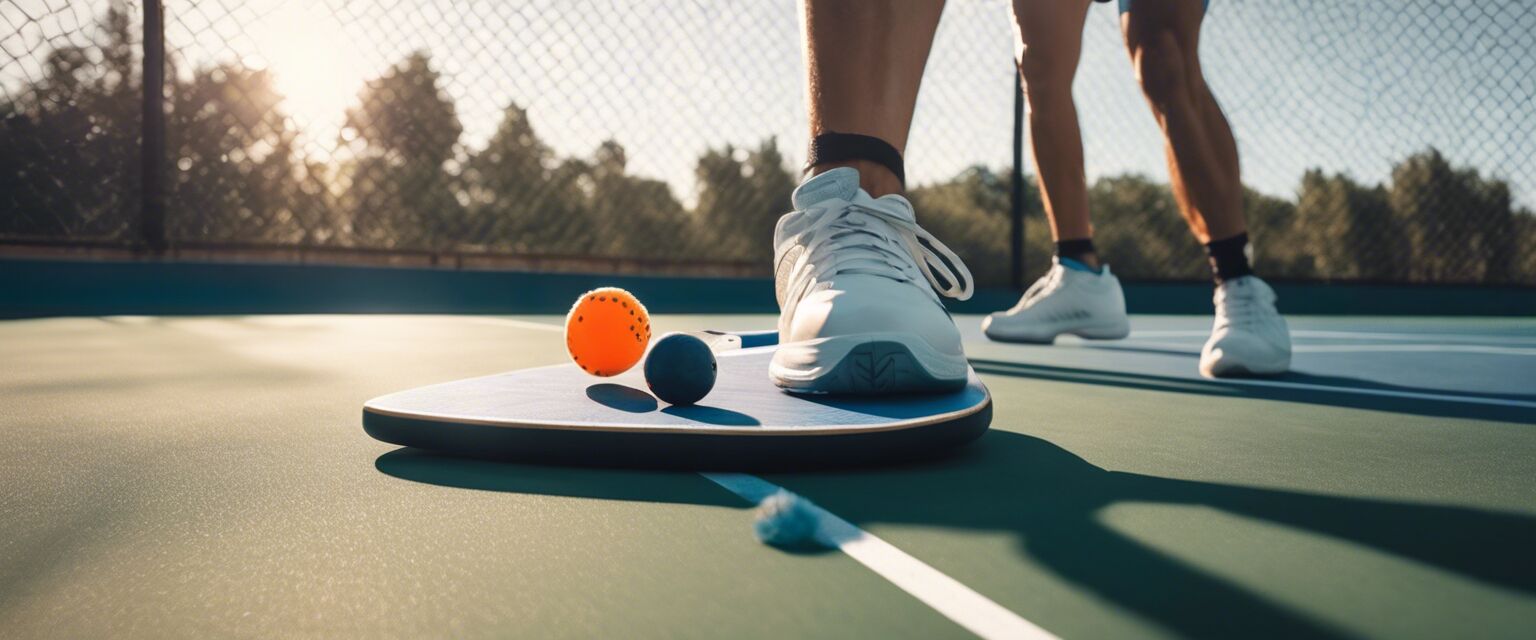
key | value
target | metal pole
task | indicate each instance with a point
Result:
(1016, 199)
(152, 144)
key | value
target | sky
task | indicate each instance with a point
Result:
(1348, 87)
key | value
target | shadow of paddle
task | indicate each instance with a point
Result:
(419, 465)
(1050, 500)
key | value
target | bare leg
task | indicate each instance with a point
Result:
(1163, 38)
(1049, 43)
(864, 64)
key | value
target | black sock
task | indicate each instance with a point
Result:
(1229, 258)
(1077, 250)
(842, 147)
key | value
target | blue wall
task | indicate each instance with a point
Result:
(40, 288)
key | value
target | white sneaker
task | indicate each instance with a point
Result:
(856, 279)
(1250, 337)
(1064, 300)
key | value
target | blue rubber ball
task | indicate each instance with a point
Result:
(680, 369)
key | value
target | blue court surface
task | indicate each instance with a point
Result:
(208, 475)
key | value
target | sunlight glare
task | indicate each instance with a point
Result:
(312, 66)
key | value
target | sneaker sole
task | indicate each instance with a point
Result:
(1243, 371)
(877, 367)
(1102, 332)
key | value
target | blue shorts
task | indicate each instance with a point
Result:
(1125, 5)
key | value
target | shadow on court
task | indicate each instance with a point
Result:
(1050, 499)
(1342, 398)
(1346, 382)
(625, 398)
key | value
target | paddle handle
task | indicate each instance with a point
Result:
(719, 341)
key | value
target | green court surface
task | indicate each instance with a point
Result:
(208, 476)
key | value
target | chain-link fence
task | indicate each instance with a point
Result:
(1381, 140)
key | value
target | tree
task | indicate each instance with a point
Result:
(1523, 267)
(70, 161)
(1459, 226)
(632, 216)
(742, 194)
(234, 161)
(1347, 230)
(70, 170)
(1138, 229)
(401, 193)
(1273, 227)
(969, 213)
(520, 198)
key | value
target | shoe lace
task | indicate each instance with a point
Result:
(842, 241)
(1237, 307)
(1041, 288)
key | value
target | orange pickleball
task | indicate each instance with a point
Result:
(606, 331)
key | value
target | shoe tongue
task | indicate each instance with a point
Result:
(841, 183)
(1241, 289)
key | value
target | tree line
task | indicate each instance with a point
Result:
(401, 178)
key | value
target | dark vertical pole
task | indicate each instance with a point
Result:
(1016, 199)
(152, 145)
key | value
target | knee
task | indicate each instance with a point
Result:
(1047, 78)
(1162, 64)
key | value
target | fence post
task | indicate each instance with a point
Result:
(152, 143)
(1016, 198)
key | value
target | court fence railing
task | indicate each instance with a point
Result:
(610, 137)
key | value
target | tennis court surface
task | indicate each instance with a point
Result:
(208, 476)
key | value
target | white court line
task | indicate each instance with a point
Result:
(1377, 335)
(1415, 348)
(522, 324)
(1416, 395)
(946, 595)
(1367, 335)
(1352, 348)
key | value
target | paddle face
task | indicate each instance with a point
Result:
(562, 415)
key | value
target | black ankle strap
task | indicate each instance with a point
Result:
(842, 147)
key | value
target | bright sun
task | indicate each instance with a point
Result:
(312, 66)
